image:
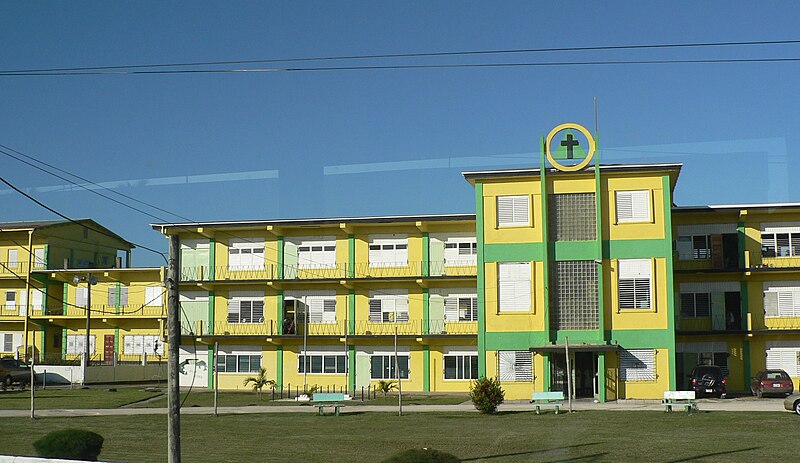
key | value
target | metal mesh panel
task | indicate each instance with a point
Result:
(574, 296)
(573, 217)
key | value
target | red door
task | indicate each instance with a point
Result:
(108, 349)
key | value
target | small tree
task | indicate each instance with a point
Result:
(74, 444)
(486, 394)
(259, 381)
(386, 387)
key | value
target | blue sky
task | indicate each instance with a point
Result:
(349, 143)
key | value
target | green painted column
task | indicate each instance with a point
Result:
(280, 259)
(280, 314)
(211, 312)
(479, 220)
(44, 343)
(212, 258)
(279, 365)
(351, 312)
(351, 368)
(670, 281)
(546, 372)
(63, 343)
(426, 298)
(118, 302)
(351, 256)
(426, 260)
(64, 299)
(603, 334)
(116, 341)
(47, 256)
(426, 368)
(601, 377)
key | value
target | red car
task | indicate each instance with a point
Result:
(771, 382)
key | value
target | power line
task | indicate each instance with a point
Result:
(10, 185)
(408, 67)
(412, 55)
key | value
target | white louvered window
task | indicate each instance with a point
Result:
(461, 251)
(461, 308)
(633, 206)
(153, 296)
(515, 365)
(635, 284)
(388, 307)
(693, 247)
(781, 300)
(142, 344)
(246, 307)
(513, 211)
(695, 305)
(780, 244)
(13, 259)
(245, 254)
(316, 252)
(76, 343)
(38, 258)
(81, 296)
(11, 342)
(117, 296)
(781, 356)
(637, 365)
(514, 286)
(388, 251)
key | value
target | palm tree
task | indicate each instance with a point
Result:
(386, 386)
(259, 381)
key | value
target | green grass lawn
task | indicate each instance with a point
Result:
(96, 397)
(596, 436)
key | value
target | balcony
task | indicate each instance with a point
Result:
(18, 269)
(337, 328)
(780, 262)
(782, 323)
(337, 272)
(102, 311)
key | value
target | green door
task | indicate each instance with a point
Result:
(362, 370)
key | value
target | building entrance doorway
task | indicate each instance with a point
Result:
(584, 373)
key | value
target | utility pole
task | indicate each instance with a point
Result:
(174, 340)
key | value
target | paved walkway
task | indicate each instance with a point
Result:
(744, 404)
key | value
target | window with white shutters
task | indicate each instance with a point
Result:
(460, 251)
(461, 308)
(153, 296)
(635, 284)
(117, 296)
(637, 365)
(633, 206)
(514, 286)
(785, 244)
(8, 342)
(81, 296)
(695, 305)
(76, 343)
(515, 365)
(38, 258)
(460, 365)
(388, 251)
(782, 356)
(513, 211)
(316, 252)
(388, 307)
(245, 254)
(246, 307)
(13, 259)
(142, 344)
(781, 300)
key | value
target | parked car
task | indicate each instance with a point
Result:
(792, 403)
(13, 371)
(708, 380)
(771, 382)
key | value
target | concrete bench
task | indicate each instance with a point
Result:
(547, 399)
(328, 399)
(683, 399)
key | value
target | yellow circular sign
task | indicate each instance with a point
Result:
(589, 153)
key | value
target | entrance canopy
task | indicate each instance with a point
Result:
(579, 347)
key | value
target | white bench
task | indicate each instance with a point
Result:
(683, 399)
(547, 399)
(328, 399)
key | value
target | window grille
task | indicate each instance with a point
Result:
(574, 296)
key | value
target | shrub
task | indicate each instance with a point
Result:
(75, 444)
(421, 456)
(486, 394)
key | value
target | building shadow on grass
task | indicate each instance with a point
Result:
(532, 452)
(714, 454)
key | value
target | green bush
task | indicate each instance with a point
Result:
(486, 394)
(421, 456)
(75, 444)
